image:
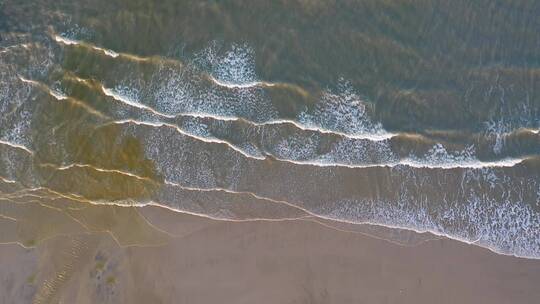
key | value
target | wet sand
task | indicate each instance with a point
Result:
(298, 261)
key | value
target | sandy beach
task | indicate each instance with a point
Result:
(208, 261)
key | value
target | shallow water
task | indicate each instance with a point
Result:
(417, 115)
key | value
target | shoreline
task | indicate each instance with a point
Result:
(246, 262)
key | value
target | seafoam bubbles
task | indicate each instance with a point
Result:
(360, 152)
(509, 118)
(17, 130)
(538, 196)
(12, 92)
(16, 96)
(505, 224)
(343, 110)
(321, 149)
(439, 156)
(296, 148)
(498, 129)
(76, 32)
(73, 35)
(126, 94)
(234, 80)
(232, 67)
(236, 67)
(171, 89)
(218, 82)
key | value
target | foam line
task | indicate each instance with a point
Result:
(57, 95)
(473, 164)
(200, 138)
(17, 146)
(128, 101)
(316, 215)
(371, 136)
(248, 85)
(155, 204)
(7, 181)
(6, 49)
(419, 164)
(68, 41)
(76, 165)
(111, 53)
(60, 96)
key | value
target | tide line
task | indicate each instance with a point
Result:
(417, 230)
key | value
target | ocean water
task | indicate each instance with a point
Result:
(415, 115)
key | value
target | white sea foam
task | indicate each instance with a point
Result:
(508, 162)
(32, 82)
(58, 95)
(350, 151)
(375, 136)
(343, 110)
(194, 136)
(235, 68)
(340, 111)
(128, 97)
(69, 41)
(65, 40)
(246, 85)
(7, 181)
(439, 157)
(16, 146)
(6, 49)
(509, 228)
(345, 153)
(16, 103)
(507, 225)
